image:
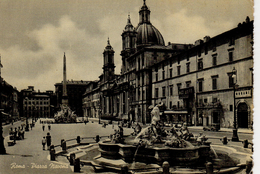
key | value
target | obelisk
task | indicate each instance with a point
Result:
(65, 101)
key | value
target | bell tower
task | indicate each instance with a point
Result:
(109, 65)
(128, 42)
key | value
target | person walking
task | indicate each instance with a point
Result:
(43, 143)
(49, 126)
(48, 138)
(43, 126)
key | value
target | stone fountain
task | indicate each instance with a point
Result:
(150, 147)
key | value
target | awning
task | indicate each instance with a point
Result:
(175, 112)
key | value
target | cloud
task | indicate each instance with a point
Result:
(24, 67)
(181, 28)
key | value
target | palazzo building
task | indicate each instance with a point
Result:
(194, 83)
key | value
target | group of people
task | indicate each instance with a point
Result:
(16, 133)
(43, 127)
(47, 140)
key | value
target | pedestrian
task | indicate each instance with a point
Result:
(48, 137)
(49, 126)
(43, 143)
(43, 126)
(31, 125)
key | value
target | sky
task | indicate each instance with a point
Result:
(35, 34)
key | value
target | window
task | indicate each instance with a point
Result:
(179, 86)
(170, 73)
(143, 79)
(214, 83)
(156, 92)
(139, 63)
(205, 100)
(230, 80)
(188, 84)
(230, 56)
(163, 74)
(178, 70)
(142, 59)
(215, 100)
(214, 60)
(200, 64)
(163, 91)
(230, 107)
(188, 67)
(171, 90)
(170, 104)
(200, 81)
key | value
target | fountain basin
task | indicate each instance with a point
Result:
(188, 156)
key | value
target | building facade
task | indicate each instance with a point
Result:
(91, 98)
(209, 82)
(9, 101)
(37, 104)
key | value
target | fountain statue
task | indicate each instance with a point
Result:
(65, 115)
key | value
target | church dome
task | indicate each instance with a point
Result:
(147, 34)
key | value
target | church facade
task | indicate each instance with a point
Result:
(191, 83)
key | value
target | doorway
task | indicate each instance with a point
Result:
(242, 115)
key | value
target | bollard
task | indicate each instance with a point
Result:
(166, 167)
(52, 154)
(77, 165)
(124, 169)
(249, 165)
(224, 140)
(209, 168)
(72, 158)
(97, 138)
(61, 141)
(78, 139)
(245, 143)
(63, 146)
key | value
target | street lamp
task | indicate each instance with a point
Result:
(234, 76)
(27, 124)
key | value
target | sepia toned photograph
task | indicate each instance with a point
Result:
(130, 87)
